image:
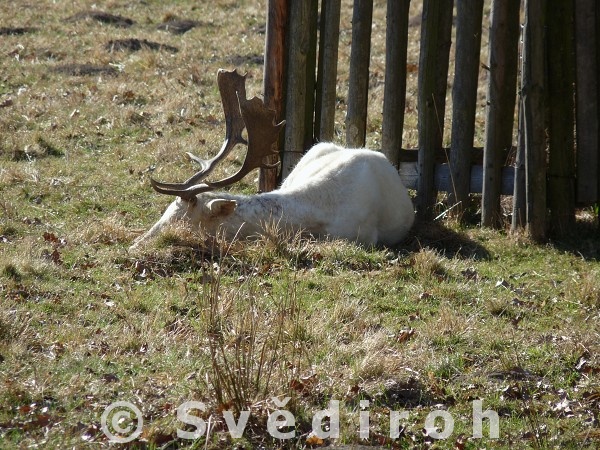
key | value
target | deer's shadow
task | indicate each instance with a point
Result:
(438, 237)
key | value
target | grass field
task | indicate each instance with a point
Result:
(452, 316)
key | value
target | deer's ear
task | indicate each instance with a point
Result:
(221, 207)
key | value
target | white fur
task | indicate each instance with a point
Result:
(333, 192)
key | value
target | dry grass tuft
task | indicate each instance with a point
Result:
(109, 230)
(256, 341)
(428, 264)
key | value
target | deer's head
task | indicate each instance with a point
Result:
(262, 132)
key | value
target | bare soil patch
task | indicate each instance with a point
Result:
(179, 26)
(16, 31)
(102, 17)
(134, 45)
(242, 60)
(77, 70)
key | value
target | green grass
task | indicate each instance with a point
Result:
(452, 315)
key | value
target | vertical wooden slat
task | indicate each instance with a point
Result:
(588, 110)
(394, 94)
(598, 109)
(433, 74)
(297, 82)
(501, 98)
(360, 55)
(519, 212)
(311, 82)
(273, 77)
(561, 78)
(327, 70)
(534, 118)
(464, 99)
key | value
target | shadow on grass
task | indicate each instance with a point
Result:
(583, 240)
(447, 242)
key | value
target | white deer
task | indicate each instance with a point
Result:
(333, 192)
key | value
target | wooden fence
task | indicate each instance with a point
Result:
(543, 57)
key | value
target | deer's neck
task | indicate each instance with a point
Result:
(254, 212)
(288, 212)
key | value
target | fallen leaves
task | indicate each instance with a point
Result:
(304, 385)
(405, 335)
(313, 440)
(32, 416)
(53, 255)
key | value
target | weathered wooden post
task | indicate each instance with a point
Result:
(311, 76)
(587, 15)
(273, 77)
(534, 118)
(394, 93)
(327, 70)
(464, 99)
(300, 81)
(519, 210)
(501, 98)
(360, 55)
(561, 78)
(433, 75)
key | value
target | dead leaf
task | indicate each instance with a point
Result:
(37, 421)
(53, 256)
(304, 385)
(88, 432)
(109, 378)
(470, 273)
(297, 386)
(352, 391)
(314, 440)
(592, 397)
(425, 296)
(405, 335)
(584, 366)
(7, 102)
(52, 238)
(428, 432)
(461, 442)
(26, 409)
(155, 437)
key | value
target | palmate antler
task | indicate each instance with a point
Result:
(239, 113)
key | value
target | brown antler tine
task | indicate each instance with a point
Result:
(262, 133)
(186, 194)
(231, 84)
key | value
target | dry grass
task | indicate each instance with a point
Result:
(452, 315)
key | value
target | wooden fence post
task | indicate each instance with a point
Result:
(327, 70)
(360, 55)
(534, 117)
(588, 95)
(464, 99)
(561, 77)
(502, 87)
(311, 76)
(519, 211)
(300, 82)
(394, 93)
(273, 77)
(433, 75)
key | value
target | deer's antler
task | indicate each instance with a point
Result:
(239, 113)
